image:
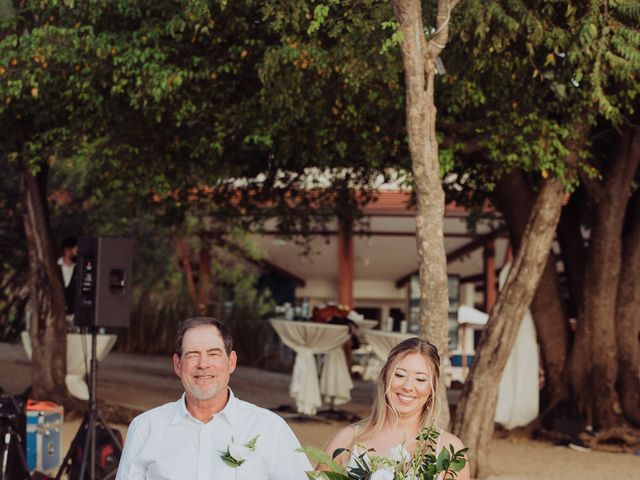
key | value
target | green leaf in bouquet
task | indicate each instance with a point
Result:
(320, 456)
(442, 459)
(314, 475)
(457, 465)
(338, 451)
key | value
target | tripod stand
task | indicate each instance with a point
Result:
(86, 435)
(11, 438)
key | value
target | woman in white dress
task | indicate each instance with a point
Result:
(405, 402)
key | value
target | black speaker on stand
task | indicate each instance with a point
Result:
(103, 299)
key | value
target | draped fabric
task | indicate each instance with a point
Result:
(382, 342)
(307, 339)
(335, 380)
(78, 358)
(519, 396)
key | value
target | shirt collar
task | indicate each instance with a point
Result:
(230, 410)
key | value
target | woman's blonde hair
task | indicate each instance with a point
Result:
(382, 407)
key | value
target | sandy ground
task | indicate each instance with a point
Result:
(144, 382)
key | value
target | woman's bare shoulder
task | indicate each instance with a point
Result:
(449, 438)
(345, 438)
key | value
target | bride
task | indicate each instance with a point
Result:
(405, 401)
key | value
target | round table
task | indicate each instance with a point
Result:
(78, 358)
(307, 339)
(383, 342)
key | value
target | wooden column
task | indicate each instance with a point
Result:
(490, 291)
(345, 264)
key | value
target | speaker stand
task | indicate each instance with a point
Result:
(88, 427)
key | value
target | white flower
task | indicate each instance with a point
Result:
(382, 474)
(237, 455)
(240, 452)
(399, 454)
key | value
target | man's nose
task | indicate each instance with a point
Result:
(203, 361)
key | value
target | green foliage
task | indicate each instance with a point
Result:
(333, 99)
(319, 456)
(228, 459)
(424, 465)
(522, 78)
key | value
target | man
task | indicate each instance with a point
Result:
(187, 439)
(67, 263)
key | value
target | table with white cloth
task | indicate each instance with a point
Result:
(382, 342)
(308, 339)
(78, 358)
(365, 325)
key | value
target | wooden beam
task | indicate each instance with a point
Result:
(357, 233)
(345, 266)
(490, 290)
(459, 252)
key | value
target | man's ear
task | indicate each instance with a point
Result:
(176, 364)
(233, 360)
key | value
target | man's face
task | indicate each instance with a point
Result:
(204, 367)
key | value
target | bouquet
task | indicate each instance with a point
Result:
(399, 465)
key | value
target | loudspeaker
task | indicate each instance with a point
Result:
(103, 282)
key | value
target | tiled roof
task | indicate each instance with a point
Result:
(398, 202)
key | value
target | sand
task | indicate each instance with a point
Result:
(143, 382)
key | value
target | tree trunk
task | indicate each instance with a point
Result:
(46, 297)
(594, 360)
(572, 248)
(418, 57)
(474, 421)
(516, 200)
(627, 317)
(205, 285)
(182, 248)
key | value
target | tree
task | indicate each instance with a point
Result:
(419, 55)
(158, 102)
(552, 42)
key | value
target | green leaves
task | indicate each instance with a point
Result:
(588, 34)
(320, 456)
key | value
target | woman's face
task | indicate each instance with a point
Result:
(410, 385)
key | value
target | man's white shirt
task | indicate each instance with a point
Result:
(167, 443)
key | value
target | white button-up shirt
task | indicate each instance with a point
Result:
(167, 443)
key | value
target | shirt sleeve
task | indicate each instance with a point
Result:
(134, 441)
(287, 463)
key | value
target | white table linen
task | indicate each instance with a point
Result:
(307, 339)
(382, 342)
(335, 379)
(78, 358)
